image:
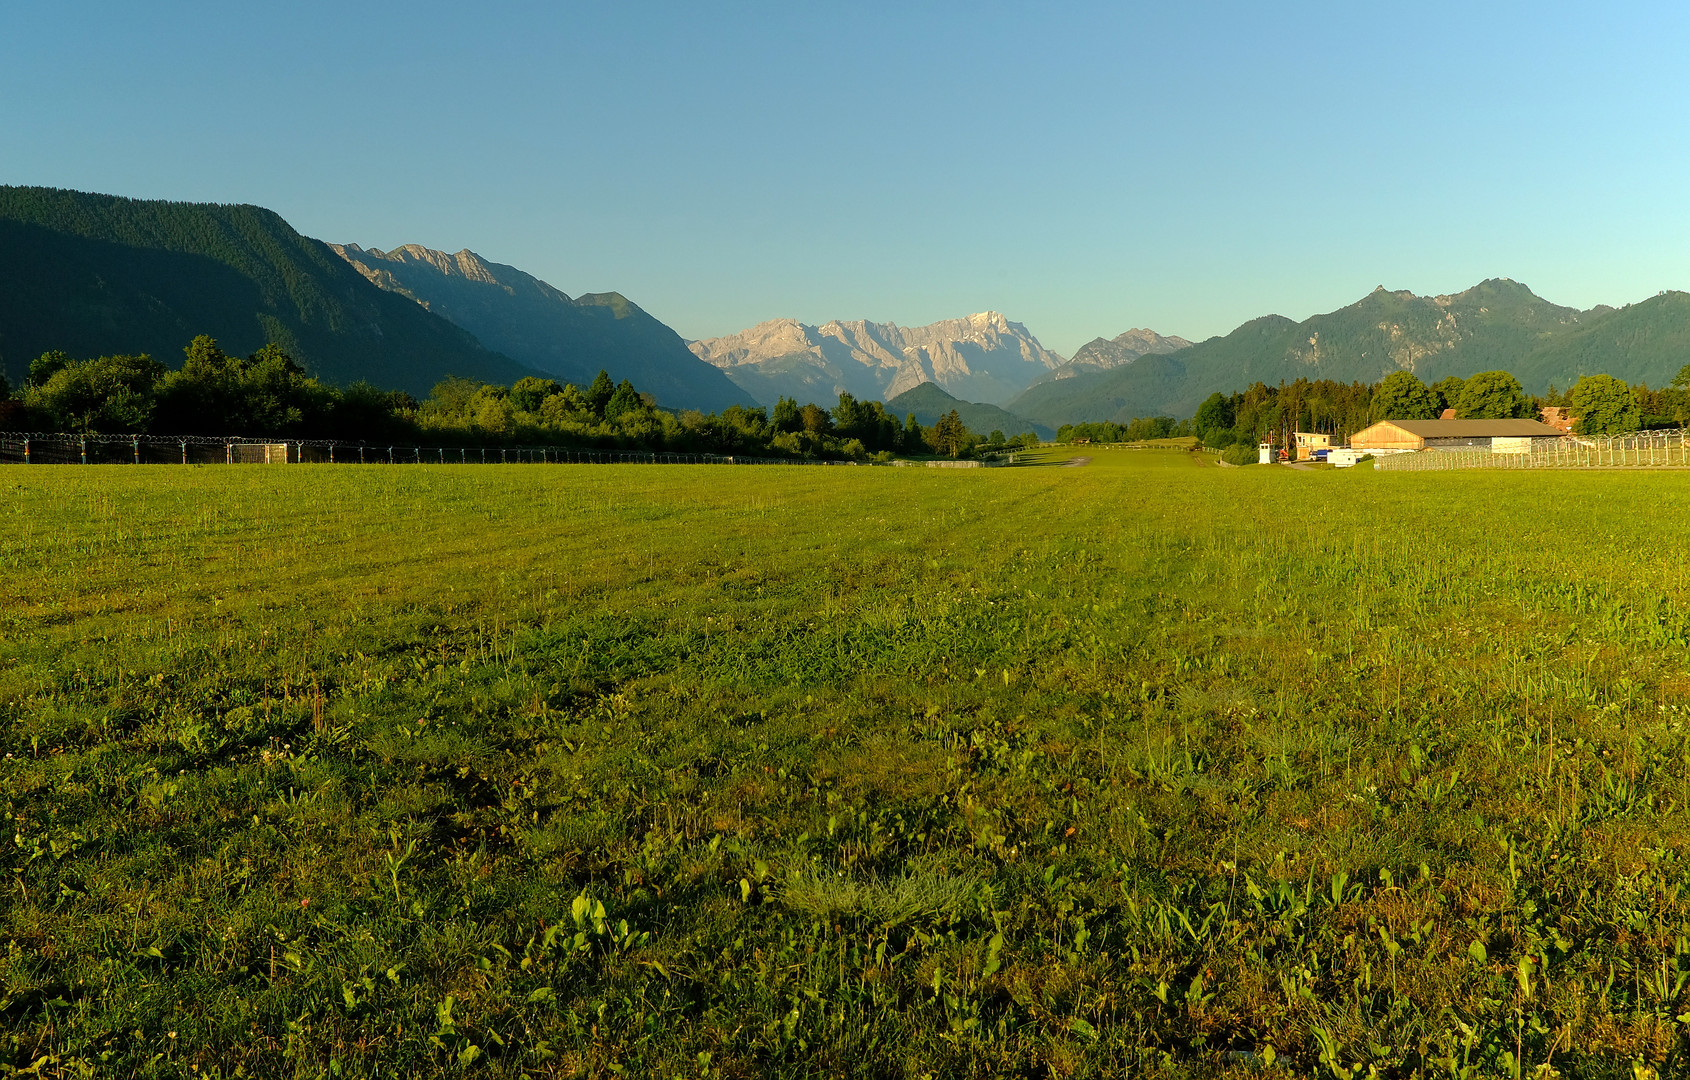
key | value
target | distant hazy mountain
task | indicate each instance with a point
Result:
(1497, 324)
(1101, 354)
(97, 274)
(928, 402)
(984, 357)
(532, 322)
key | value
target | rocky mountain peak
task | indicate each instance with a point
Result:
(979, 357)
(465, 264)
(1100, 354)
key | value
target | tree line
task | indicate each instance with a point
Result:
(1600, 404)
(268, 394)
(1139, 429)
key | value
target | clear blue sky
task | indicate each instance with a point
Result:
(1083, 168)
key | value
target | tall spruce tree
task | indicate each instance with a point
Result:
(600, 393)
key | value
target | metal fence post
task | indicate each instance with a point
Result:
(135, 445)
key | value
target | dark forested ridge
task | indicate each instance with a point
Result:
(928, 402)
(99, 274)
(1496, 325)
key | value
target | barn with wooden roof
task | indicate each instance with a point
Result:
(1452, 435)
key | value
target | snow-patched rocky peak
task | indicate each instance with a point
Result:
(983, 357)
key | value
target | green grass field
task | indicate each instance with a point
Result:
(1142, 768)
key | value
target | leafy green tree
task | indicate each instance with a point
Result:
(366, 411)
(1215, 413)
(107, 395)
(850, 416)
(204, 357)
(528, 394)
(1241, 454)
(494, 414)
(747, 421)
(786, 416)
(1401, 396)
(624, 402)
(266, 393)
(1217, 438)
(277, 396)
(565, 407)
(46, 365)
(1448, 392)
(451, 397)
(600, 393)
(1605, 406)
(1492, 395)
(815, 419)
(5, 388)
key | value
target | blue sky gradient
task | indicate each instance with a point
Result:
(1083, 168)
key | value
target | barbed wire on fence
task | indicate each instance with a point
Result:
(59, 448)
(1642, 449)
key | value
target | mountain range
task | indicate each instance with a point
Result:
(540, 326)
(1497, 324)
(1101, 354)
(98, 274)
(984, 357)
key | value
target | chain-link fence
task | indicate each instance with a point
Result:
(32, 448)
(1643, 449)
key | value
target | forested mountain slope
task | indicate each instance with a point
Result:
(1102, 354)
(929, 401)
(99, 274)
(530, 321)
(1496, 325)
(1646, 342)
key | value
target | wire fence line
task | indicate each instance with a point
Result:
(1643, 449)
(58, 448)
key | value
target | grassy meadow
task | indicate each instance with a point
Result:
(1141, 768)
